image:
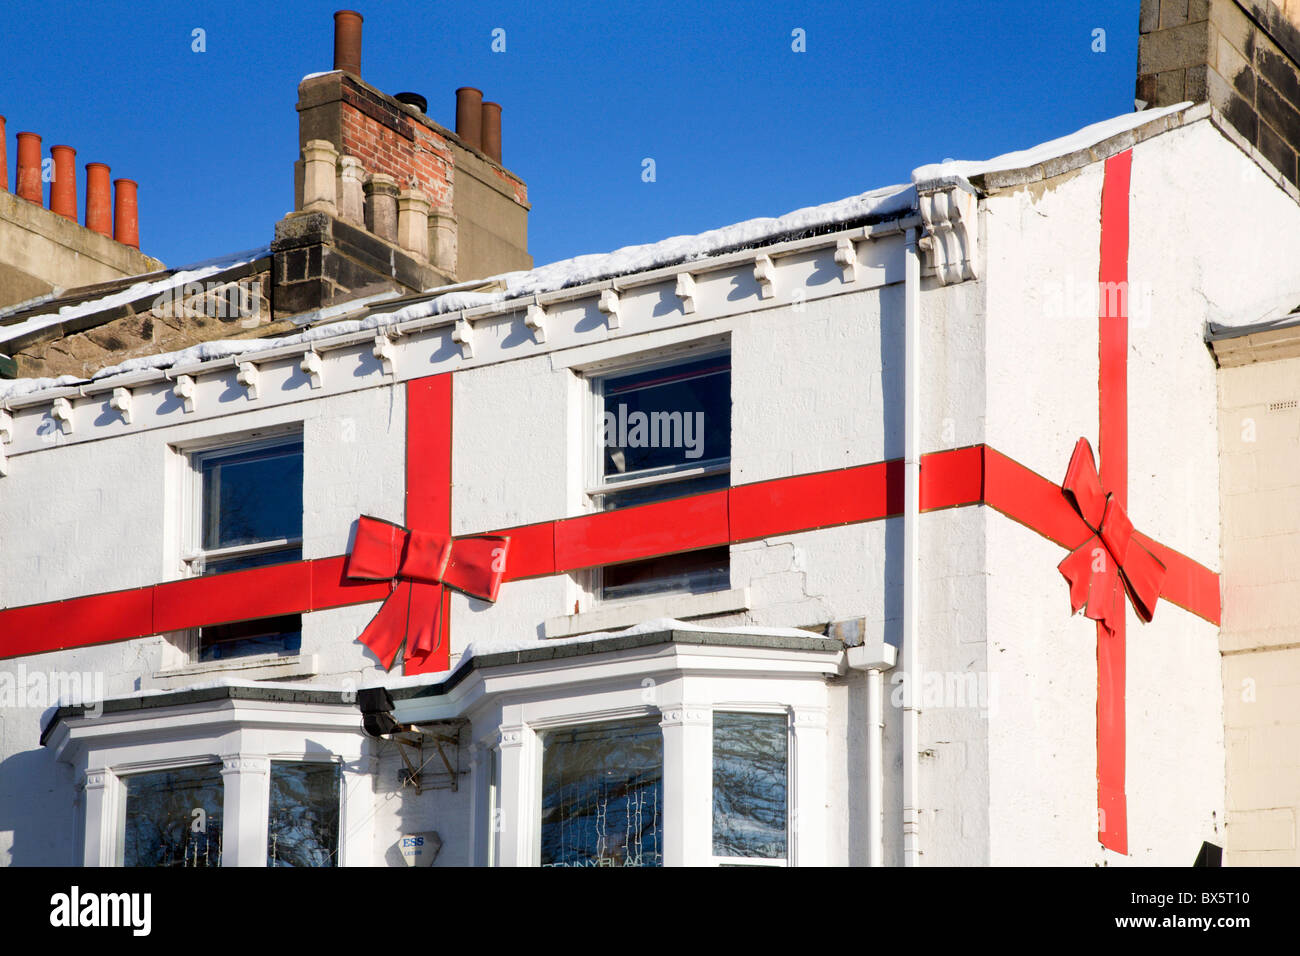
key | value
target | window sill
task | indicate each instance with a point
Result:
(261, 667)
(679, 606)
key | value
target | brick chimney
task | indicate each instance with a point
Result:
(1242, 56)
(387, 199)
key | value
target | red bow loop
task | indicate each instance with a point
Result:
(1113, 560)
(420, 563)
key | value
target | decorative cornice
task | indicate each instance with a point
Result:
(633, 307)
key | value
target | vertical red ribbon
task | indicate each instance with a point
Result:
(428, 494)
(1112, 804)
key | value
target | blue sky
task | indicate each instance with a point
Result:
(738, 124)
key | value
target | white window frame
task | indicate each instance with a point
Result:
(183, 661)
(595, 485)
(193, 555)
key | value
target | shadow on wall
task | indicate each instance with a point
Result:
(891, 389)
(38, 807)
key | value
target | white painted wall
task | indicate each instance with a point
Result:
(1007, 777)
(1198, 209)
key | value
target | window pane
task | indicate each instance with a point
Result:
(602, 795)
(749, 785)
(303, 826)
(667, 418)
(173, 817)
(271, 635)
(694, 572)
(252, 496)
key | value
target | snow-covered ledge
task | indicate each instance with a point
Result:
(679, 606)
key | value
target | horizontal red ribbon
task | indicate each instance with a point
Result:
(964, 476)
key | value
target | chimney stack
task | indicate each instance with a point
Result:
(469, 116)
(347, 41)
(126, 217)
(99, 203)
(492, 131)
(28, 183)
(4, 157)
(1240, 56)
(63, 188)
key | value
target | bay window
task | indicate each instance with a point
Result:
(221, 776)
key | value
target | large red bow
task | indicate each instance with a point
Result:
(1112, 561)
(419, 563)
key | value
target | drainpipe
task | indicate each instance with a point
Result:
(911, 550)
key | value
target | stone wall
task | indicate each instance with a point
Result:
(41, 251)
(1242, 56)
(237, 305)
(1260, 448)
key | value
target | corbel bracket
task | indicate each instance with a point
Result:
(384, 352)
(62, 412)
(248, 376)
(686, 291)
(121, 402)
(184, 390)
(949, 207)
(312, 367)
(765, 276)
(535, 319)
(462, 333)
(609, 304)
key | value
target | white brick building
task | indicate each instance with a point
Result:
(891, 389)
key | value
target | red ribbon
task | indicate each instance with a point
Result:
(419, 563)
(1112, 561)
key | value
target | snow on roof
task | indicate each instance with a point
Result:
(890, 200)
(884, 202)
(1061, 146)
(133, 293)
